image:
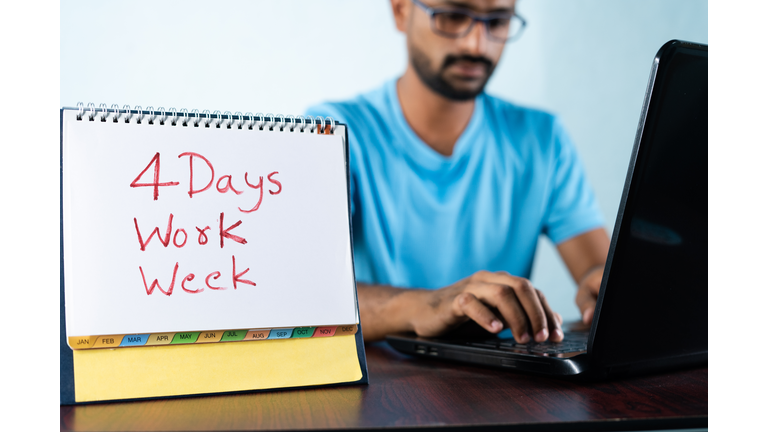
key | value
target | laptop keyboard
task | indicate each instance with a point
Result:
(572, 342)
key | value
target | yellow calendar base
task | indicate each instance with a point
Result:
(171, 370)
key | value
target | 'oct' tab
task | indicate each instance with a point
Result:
(303, 332)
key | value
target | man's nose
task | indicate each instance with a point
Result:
(476, 41)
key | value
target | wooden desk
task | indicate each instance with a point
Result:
(412, 393)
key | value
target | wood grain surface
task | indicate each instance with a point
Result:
(406, 392)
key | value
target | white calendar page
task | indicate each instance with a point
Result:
(172, 228)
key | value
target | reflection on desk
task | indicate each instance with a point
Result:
(406, 392)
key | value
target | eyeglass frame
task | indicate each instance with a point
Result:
(475, 19)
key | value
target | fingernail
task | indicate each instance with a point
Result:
(542, 335)
(525, 338)
(558, 334)
(496, 325)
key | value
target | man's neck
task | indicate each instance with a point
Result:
(436, 120)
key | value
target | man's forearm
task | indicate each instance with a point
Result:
(385, 310)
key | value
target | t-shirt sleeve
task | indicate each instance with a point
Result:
(325, 110)
(572, 207)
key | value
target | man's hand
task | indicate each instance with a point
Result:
(586, 295)
(493, 300)
(585, 257)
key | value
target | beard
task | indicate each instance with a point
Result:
(437, 81)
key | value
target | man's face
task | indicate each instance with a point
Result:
(456, 68)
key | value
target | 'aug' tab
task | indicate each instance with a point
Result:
(257, 334)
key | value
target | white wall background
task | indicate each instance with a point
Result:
(586, 60)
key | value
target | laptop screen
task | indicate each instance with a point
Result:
(654, 292)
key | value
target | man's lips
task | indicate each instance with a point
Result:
(469, 69)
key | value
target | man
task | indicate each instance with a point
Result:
(451, 187)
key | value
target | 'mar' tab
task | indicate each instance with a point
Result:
(134, 340)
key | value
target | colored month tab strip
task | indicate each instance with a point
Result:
(175, 338)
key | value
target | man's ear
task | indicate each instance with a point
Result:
(401, 10)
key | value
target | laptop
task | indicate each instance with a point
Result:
(651, 312)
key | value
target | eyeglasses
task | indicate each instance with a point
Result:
(454, 23)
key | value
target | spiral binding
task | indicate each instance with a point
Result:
(227, 120)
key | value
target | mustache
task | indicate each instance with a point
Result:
(451, 59)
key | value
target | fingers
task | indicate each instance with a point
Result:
(504, 299)
(586, 295)
(554, 320)
(519, 304)
(467, 304)
(586, 302)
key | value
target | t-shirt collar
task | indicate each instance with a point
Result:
(420, 151)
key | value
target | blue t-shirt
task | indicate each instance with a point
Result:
(424, 220)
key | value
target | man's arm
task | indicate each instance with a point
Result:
(493, 300)
(585, 256)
